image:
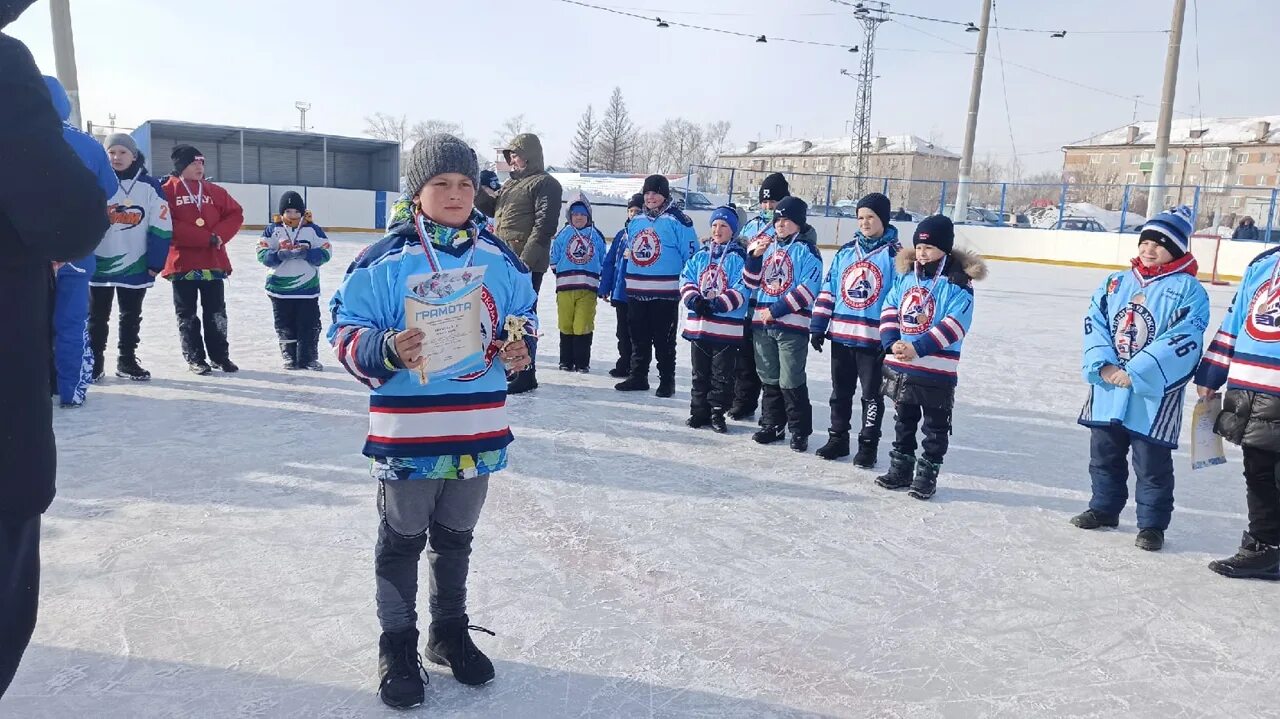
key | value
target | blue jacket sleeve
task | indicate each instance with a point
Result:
(524, 304)
(1099, 345)
(688, 242)
(954, 325)
(735, 295)
(322, 252)
(890, 330)
(1212, 372)
(268, 251)
(362, 325)
(751, 269)
(160, 231)
(689, 290)
(824, 306)
(609, 269)
(805, 289)
(1170, 360)
(557, 247)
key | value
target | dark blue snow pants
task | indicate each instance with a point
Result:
(1109, 448)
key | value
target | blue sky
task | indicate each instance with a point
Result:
(245, 62)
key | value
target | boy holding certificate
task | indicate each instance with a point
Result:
(421, 318)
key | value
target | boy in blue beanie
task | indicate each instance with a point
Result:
(713, 293)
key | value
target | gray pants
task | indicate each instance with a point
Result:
(781, 357)
(416, 513)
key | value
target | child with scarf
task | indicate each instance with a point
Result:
(848, 313)
(712, 291)
(1143, 337)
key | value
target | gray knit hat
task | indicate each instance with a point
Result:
(123, 139)
(435, 155)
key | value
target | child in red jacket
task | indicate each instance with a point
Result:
(205, 218)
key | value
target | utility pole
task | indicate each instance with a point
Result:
(870, 14)
(1160, 166)
(302, 110)
(961, 212)
(64, 55)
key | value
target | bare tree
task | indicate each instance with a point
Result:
(717, 137)
(643, 155)
(512, 126)
(387, 127)
(584, 141)
(432, 127)
(681, 145)
(617, 135)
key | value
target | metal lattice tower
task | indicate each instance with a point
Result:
(870, 13)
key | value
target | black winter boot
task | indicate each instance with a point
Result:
(926, 480)
(402, 680)
(666, 386)
(128, 368)
(449, 644)
(619, 371)
(566, 352)
(868, 452)
(633, 384)
(1255, 560)
(1152, 540)
(98, 371)
(697, 421)
(799, 443)
(900, 468)
(738, 414)
(289, 354)
(1089, 519)
(717, 422)
(770, 434)
(524, 381)
(837, 446)
(199, 367)
(582, 353)
(225, 365)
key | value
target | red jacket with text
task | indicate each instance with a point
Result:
(191, 248)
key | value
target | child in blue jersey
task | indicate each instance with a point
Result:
(1143, 337)
(746, 387)
(293, 248)
(613, 289)
(923, 323)
(1245, 356)
(577, 256)
(713, 292)
(662, 240)
(783, 274)
(131, 255)
(848, 312)
(436, 433)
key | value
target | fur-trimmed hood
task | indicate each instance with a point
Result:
(963, 265)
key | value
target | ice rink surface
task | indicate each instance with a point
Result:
(210, 550)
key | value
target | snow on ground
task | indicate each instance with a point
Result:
(209, 553)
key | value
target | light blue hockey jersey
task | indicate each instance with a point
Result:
(463, 417)
(852, 297)
(933, 312)
(577, 256)
(715, 272)
(785, 280)
(1245, 354)
(660, 247)
(759, 226)
(1153, 328)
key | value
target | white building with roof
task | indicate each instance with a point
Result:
(823, 167)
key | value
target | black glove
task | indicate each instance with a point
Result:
(703, 307)
(815, 341)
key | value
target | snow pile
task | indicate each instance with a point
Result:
(1110, 219)
(609, 188)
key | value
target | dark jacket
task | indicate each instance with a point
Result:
(1250, 419)
(51, 208)
(1246, 232)
(526, 212)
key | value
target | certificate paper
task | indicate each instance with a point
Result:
(1206, 447)
(447, 308)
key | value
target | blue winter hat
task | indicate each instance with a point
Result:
(578, 208)
(729, 215)
(1172, 229)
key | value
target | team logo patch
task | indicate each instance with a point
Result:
(1113, 285)
(488, 321)
(1263, 322)
(915, 314)
(126, 215)
(581, 249)
(777, 274)
(860, 285)
(1133, 329)
(646, 248)
(713, 282)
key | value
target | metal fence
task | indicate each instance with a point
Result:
(1120, 208)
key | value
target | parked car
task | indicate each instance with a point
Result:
(1016, 219)
(833, 211)
(1085, 224)
(692, 200)
(976, 216)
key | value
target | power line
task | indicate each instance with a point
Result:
(665, 23)
(1056, 32)
(1004, 90)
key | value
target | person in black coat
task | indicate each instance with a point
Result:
(51, 210)
(1246, 230)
